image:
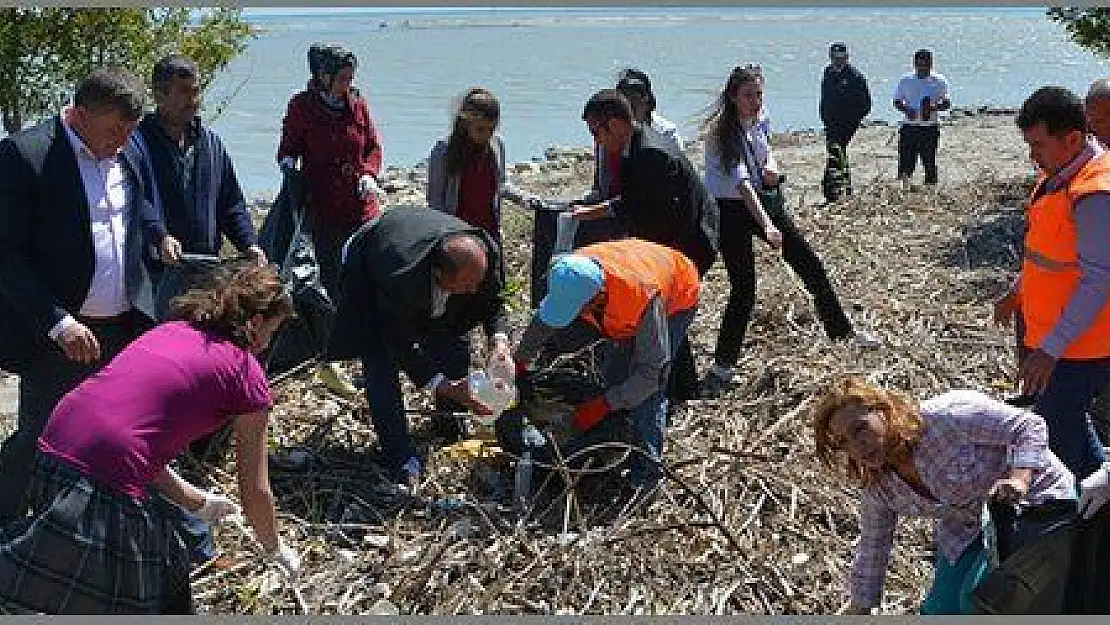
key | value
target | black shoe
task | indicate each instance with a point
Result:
(1025, 400)
(713, 386)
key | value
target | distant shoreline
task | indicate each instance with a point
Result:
(566, 171)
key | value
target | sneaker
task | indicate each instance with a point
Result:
(329, 374)
(411, 473)
(1024, 400)
(716, 381)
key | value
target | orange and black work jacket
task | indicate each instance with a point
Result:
(646, 284)
(1051, 272)
(636, 271)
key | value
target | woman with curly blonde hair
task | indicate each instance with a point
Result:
(944, 458)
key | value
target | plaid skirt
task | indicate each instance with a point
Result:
(86, 549)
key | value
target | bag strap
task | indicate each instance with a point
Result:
(744, 150)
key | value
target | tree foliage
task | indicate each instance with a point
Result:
(44, 52)
(1088, 26)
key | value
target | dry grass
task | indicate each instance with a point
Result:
(749, 524)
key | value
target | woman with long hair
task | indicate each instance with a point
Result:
(467, 172)
(740, 169)
(942, 458)
(96, 541)
(328, 128)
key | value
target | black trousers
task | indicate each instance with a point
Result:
(737, 231)
(327, 242)
(49, 376)
(841, 133)
(914, 141)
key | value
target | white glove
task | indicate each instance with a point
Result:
(367, 185)
(287, 164)
(286, 557)
(1094, 491)
(216, 508)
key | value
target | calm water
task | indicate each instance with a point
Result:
(544, 63)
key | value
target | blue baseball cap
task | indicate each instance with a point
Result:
(571, 283)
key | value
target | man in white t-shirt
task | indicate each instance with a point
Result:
(920, 95)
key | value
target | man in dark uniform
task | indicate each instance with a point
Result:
(845, 101)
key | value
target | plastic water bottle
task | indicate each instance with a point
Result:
(498, 394)
(522, 484)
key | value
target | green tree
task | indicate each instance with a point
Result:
(1089, 27)
(44, 52)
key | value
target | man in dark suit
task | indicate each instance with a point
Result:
(414, 283)
(662, 199)
(73, 288)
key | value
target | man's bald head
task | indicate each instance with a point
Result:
(460, 263)
(1097, 108)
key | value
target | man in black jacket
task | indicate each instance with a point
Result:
(661, 198)
(414, 283)
(845, 101)
(73, 287)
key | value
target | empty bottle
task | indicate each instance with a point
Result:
(532, 439)
(498, 395)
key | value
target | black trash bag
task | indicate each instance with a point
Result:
(173, 280)
(544, 233)
(286, 242)
(1035, 555)
(1089, 576)
(551, 393)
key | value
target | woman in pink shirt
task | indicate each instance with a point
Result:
(942, 458)
(94, 542)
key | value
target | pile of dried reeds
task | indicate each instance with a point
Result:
(749, 522)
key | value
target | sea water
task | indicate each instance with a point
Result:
(543, 63)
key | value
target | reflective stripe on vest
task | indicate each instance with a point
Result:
(635, 270)
(1050, 271)
(1047, 263)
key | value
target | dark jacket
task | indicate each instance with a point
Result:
(387, 290)
(211, 208)
(845, 98)
(46, 248)
(664, 200)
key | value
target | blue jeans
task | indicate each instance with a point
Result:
(953, 583)
(383, 391)
(1064, 405)
(649, 418)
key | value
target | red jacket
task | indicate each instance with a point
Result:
(335, 149)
